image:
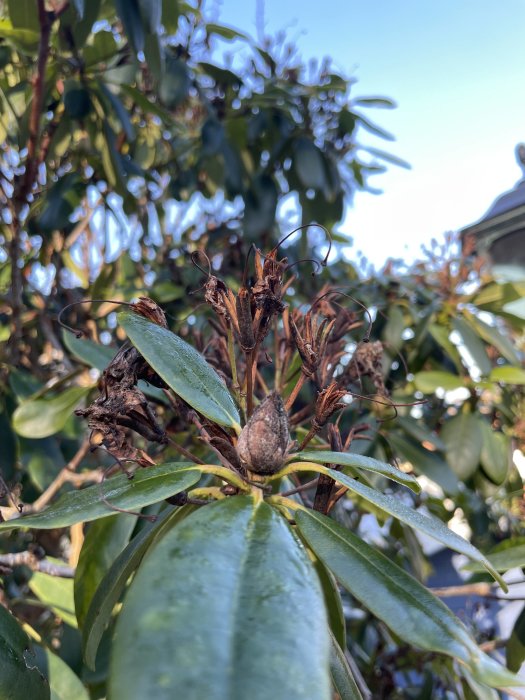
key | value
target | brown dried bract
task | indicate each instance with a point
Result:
(264, 441)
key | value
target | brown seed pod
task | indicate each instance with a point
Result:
(264, 440)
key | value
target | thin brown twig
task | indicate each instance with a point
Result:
(66, 475)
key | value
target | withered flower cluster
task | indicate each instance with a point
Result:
(288, 368)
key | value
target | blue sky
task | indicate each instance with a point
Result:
(457, 72)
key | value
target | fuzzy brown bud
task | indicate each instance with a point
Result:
(264, 440)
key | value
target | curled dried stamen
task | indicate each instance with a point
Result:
(76, 332)
(366, 338)
(303, 228)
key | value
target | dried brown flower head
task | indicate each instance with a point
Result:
(264, 441)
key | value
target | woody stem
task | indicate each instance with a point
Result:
(249, 382)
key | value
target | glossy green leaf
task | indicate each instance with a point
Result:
(218, 608)
(147, 486)
(399, 600)
(425, 462)
(39, 418)
(175, 82)
(495, 453)
(516, 644)
(114, 582)
(428, 382)
(508, 375)
(428, 524)
(64, 684)
(104, 541)
(182, 368)
(56, 593)
(19, 677)
(348, 459)
(341, 674)
(473, 344)
(463, 440)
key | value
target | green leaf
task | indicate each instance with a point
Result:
(24, 15)
(399, 600)
(10, 447)
(40, 418)
(175, 82)
(491, 334)
(77, 102)
(104, 541)
(56, 593)
(508, 375)
(129, 13)
(114, 582)
(348, 459)
(218, 608)
(516, 644)
(23, 39)
(419, 431)
(425, 462)
(373, 128)
(333, 603)
(463, 440)
(428, 524)
(147, 486)
(495, 453)
(225, 32)
(170, 15)
(20, 679)
(473, 344)
(182, 368)
(341, 674)
(151, 12)
(508, 555)
(65, 685)
(309, 164)
(260, 203)
(375, 102)
(441, 336)
(428, 382)
(393, 330)
(92, 354)
(43, 460)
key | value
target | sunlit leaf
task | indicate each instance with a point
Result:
(182, 368)
(103, 542)
(428, 382)
(114, 582)
(226, 571)
(56, 593)
(508, 375)
(348, 459)
(399, 600)
(39, 418)
(147, 486)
